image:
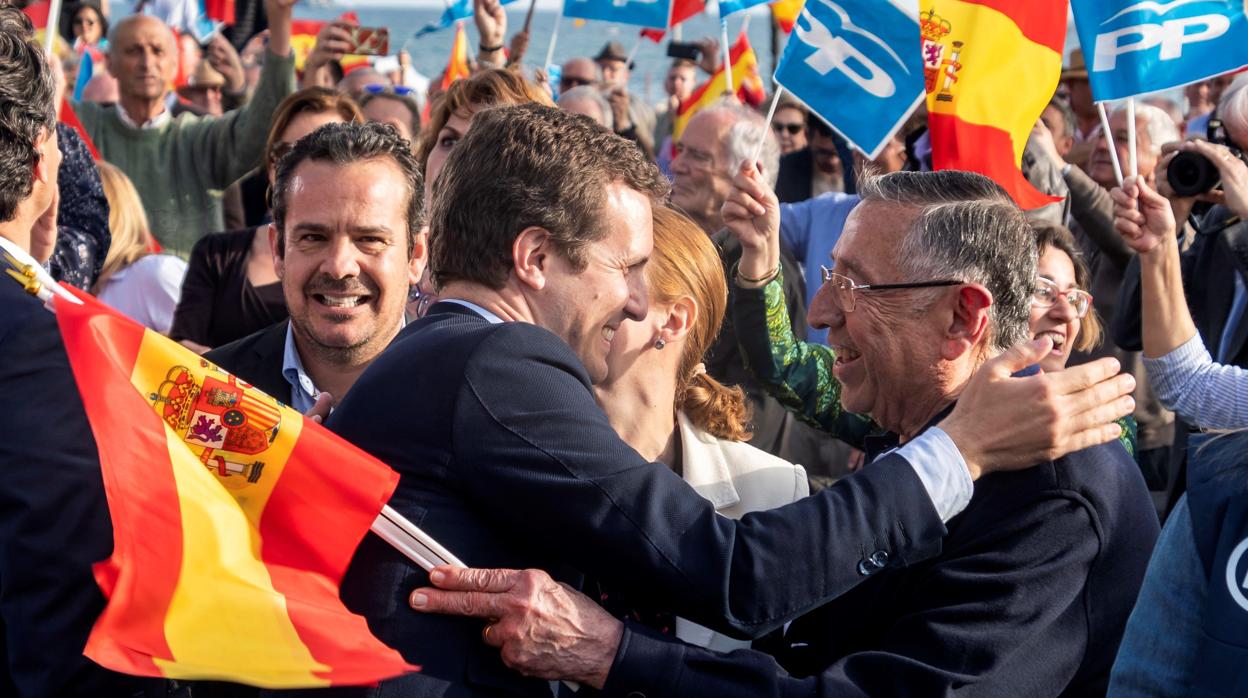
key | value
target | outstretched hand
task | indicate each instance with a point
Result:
(543, 628)
(1142, 217)
(751, 213)
(1003, 422)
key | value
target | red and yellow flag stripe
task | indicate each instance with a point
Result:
(993, 66)
(223, 564)
(745, 78)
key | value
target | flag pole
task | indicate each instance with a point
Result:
(633, 53)
(1109, 142)
(54, 21)
(771, 113)
(1131, 156)
(554, 37)
(723, 33)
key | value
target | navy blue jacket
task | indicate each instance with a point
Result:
(1029, 598)
(54, 521)
(506, 459)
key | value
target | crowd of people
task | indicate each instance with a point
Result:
(741, 412)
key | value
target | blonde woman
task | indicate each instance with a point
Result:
(144, 286)
(661, 401)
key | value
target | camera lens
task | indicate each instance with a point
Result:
(1191, 174)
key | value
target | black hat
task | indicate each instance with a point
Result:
(613, 51)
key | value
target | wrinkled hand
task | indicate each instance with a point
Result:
(618, 99)
(1006, 423)
(43, 232)
(225, 60)
(711, 58)
(752, 214)
(544, 629)
(1142, 216)
(1233, 170)
(491, 21)
(519, 46)
(1042, 139)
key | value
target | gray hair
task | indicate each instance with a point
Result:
(114, 30)
(593, 94)
(1233, 106)
(27, 108)
(967, 228)
(1068, 118)
(1157, 124)
(748, 128)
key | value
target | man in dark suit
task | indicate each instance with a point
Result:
(485, 409)
(346, 256)
(54, 522)
(1036, 577)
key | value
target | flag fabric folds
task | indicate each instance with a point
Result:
(732, 7)
(1138, 47)
(457, 66)
(855, 64)
(454, 12)
(681, 11)
(990, 68)
(785, 13)
(67, 116)
(222, 565)
(654, 14)
(745, 78)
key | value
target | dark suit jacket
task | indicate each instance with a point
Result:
(54, 521)
(1217, 254)
(1029, 598)
(793, 181)
(506, 459)
(257, 359)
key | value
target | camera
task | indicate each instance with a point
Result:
(1191, 173)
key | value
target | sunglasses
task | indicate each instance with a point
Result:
(793, 129)
(400, 90)
(569, 83)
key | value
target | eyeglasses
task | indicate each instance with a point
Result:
(793, 129)
(1047, 294)
(567, 83)
(844, 287)
(400, 90)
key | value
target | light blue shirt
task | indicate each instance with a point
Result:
(303, 391)
(811, 228)
(1207, 394)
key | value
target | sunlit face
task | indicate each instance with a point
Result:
(87, 26)
(700, 178)
(1101, 165)
(887, 348)
(345, 268)
(588, 308)
(391, 111)
(789, 124)
(614, 72)
(143, 59)
(455, 128)
(1060, 322)
(680, 81)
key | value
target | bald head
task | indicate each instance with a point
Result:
(577, 72)
(142, 55)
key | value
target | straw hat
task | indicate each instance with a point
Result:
(1078, 69)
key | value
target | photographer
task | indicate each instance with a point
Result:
(1213, 279)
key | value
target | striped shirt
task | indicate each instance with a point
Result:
(1207, 394)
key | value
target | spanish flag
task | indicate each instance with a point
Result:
(681, 11)
(785, 12)
(234, 519)
(745, 78)
(457, 66)
(991, 67)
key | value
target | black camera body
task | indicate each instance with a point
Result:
(1191, 173)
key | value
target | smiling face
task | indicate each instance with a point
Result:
(887, 350)
(143, 58)
(1060, 322)
(587, 308)
(345, 268)
(700, 179)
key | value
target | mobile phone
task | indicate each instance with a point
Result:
(369, 41)
(683, 49)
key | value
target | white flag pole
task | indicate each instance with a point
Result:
(633, 53)
(1109, 142)
(723, 33)
(771, 113)
(554, 37)
(49, 34)
(1131, 155)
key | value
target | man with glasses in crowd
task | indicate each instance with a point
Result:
(1032, 588)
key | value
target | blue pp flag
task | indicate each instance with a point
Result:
(454, 12)
(1133, 47)
(86, 69)
(731, 7)
(857, 65)
(642, 13)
